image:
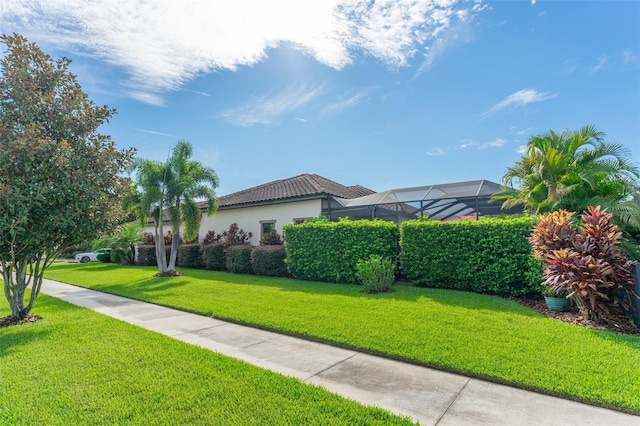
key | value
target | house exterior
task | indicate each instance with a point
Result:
(272, 205)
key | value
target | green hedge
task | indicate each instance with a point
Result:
(213, 257)
(189, 256)
(328, 251)
(238, 259)
(269, 260)
(490, 255)
(104, 257)
(147, 255)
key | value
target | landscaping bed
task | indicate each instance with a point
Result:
(614, 323)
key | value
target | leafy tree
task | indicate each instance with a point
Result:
(61, 180)
(171, 190)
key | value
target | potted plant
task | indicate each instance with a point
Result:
(557, 302)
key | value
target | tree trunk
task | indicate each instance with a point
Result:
(175, 242)
(16, 280)
(161, 254)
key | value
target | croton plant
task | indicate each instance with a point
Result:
(584, 263)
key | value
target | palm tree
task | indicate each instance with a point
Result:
(189, 181)
(570, 170)
(171, 190)
(151, 177)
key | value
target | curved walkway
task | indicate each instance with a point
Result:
(429, 396)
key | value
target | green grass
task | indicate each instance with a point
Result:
(475, 334)
(77, 367)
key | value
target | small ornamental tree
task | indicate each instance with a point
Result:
(587, 265)
(61, 181)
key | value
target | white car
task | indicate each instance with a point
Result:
(91, 256)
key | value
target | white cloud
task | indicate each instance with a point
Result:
(300, 119)
(348, 100)
(521, 149)
(154, 132)
(601, 61)
(467, 143)
(628, 57)
(470, 143)
(161, 45)
(519, 98)
(496, 143)
(435, 152)
(265, 108)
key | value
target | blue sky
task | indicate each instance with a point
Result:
(386, 95)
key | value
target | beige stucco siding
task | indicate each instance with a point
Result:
(250, 218)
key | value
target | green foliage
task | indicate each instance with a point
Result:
(172, 189)
(123, 243)
(587, 265)
(104, 257)
(190, 256)
(61, 180)
(320, 250)
(269, 260)
(484, 256)
(377, 274)
(271, 238)
(475, 334)
(213, 257)
(147, 255)
(238, 259)
(573, 170)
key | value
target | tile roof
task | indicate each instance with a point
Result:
(302, 186)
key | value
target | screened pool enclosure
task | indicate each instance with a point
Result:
(451, 201)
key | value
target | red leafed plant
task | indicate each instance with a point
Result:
(587, 266)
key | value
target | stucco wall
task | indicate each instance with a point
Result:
(249, 218)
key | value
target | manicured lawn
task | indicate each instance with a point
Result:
(479, 335)
(77, 367)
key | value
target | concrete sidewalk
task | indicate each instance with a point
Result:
(426, 395)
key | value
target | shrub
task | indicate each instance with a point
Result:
(147, 255)
(235, 236)
(189, 256)
(490, 255)
(213, 257)
(271, 238)
(104, 257)
(328, 251)
(269, 260)
(231, 237)
(211, 238)
(376, 274)
(586, 265)
(238, 259)
(148, 239)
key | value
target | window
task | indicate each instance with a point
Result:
(267, 226)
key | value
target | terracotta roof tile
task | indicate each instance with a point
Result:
(304, 185)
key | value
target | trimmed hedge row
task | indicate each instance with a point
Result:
(240, 259)
(147, 255)
(269, 260)
(320, 250)
(490, 255)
